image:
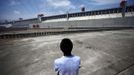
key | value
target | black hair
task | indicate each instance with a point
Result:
(66, 46)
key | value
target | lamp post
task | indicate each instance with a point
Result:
(123, 5)
(67, 24)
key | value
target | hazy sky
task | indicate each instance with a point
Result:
(14, 9)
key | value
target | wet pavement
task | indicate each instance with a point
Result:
(102, 53)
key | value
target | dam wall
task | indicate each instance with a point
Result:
(100, 16)
(92, 23)
(76, 27)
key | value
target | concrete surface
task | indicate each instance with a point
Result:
(102, 53)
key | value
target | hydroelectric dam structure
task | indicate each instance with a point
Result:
(104, 19)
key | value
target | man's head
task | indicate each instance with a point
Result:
(66, 46)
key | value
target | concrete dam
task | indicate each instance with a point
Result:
(97, 18)
(105, 19)
(93, 23)
(91, 19)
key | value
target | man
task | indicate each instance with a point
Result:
(68, 64)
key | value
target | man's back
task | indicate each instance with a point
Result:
(67, 65)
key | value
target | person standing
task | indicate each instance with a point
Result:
(68, 64)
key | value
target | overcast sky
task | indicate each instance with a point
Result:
(14, 9)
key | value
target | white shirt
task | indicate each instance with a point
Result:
(67, 65)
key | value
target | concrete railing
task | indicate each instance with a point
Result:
(35, 34)
(71, 30)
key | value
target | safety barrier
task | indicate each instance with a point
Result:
(35, 34)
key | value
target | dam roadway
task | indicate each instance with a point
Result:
(102, 53)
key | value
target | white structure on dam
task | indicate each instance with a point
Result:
(97, 18)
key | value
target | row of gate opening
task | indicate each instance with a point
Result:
(36, 26)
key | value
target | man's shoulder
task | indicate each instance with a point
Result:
(61, 59)
(58, 60)
(76, 57)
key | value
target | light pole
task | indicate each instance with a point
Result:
(123, 5)
(67, 24)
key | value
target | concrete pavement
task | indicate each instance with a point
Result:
(102, 53)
